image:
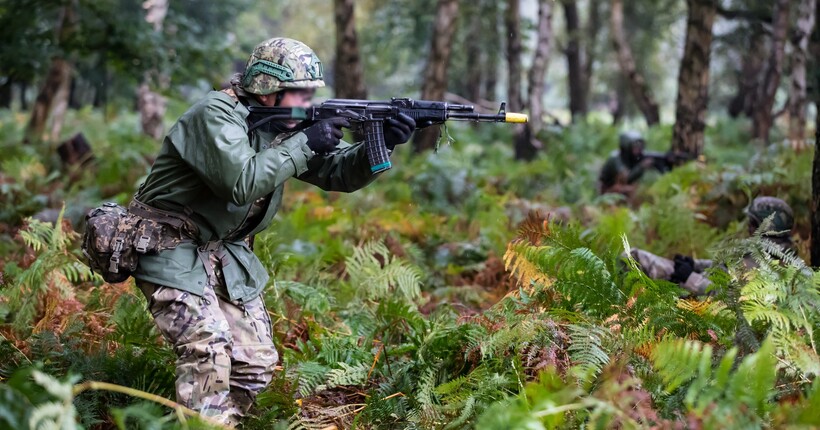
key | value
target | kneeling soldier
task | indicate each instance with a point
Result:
(215, 186)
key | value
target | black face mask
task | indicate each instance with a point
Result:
(629, 157)
(275, 126)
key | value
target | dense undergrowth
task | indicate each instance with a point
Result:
(460, 290)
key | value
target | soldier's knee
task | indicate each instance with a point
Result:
(207, 340)
(253, 365)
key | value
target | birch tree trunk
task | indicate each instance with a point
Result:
(150, 104)
(637, 83)
(536, 87)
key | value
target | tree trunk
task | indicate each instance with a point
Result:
(58, 77)
(349, 73)
(636, 82)
(617, 100)
(535, 95)
(515, 101)
(435, 78)
(762, 120)
(814, 244)
(797, 93)
(693, 79)
(150, 104)
(575, 63)
(152, 109)
(60, 103)
(475, 57)
(591, 48)
(57, 80)
(6, 93)
(815, 198)
(490, 61)
(752, 61)
(512, 22)
(23, 96)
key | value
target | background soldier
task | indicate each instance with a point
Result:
(624, 168)
(689, 272)
(213, 186)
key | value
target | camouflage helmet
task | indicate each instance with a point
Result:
(765, 207)
(281, 63)
(628, 139)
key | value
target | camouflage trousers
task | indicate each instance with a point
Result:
(657, 267)
(225, 350)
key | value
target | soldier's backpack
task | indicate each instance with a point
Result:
(115, 237)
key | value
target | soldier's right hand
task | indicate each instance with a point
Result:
(325, 135)
(647, 162)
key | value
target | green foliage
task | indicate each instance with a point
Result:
(23, 182)
(377, 274)
(55, 268)
(722, 394)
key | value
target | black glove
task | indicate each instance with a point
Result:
(324, 136)
(684, 266)
(398, 130)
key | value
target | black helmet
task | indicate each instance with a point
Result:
(782, 216)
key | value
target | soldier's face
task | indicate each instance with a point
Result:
(637, 150)
(296, 98)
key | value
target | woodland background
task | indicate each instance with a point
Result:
(479, 285)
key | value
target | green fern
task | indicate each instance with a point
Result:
(310, 376)
(55, 267)
(680, 362)
(345, 375)
(586, 350)
(378, 275)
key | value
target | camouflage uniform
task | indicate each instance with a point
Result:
(778, 231)
(204, 294)
(657, 267)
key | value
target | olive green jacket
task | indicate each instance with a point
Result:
(210, 169)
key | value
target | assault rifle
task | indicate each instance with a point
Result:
(666, 161)
(369, 116)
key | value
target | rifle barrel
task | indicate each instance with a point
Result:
(511, 117)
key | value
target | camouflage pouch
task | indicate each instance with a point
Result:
(114, 239)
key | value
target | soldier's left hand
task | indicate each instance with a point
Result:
(398, 130)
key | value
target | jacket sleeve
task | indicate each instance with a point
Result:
(345, 170)
(212, 139)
